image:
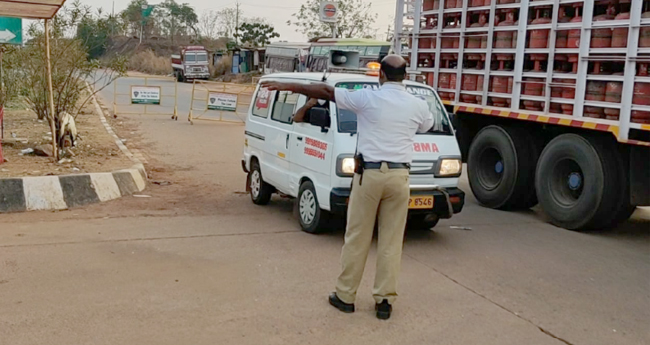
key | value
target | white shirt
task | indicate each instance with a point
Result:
(387, 121)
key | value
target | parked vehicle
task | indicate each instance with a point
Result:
(286, 57)
(551, 100)
(369, 51)
(313, 162)
(191, 63)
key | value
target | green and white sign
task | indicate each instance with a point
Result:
(145, 94)
(11, 30)
(222, 101)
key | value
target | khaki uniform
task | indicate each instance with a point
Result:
(384, 193)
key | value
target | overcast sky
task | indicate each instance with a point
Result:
(277, 15)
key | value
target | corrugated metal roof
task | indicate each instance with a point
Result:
(30, 9)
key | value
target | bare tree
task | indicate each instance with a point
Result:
(208, 25)
(228, 21)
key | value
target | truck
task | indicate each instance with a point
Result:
(550, 99)
(191, 62)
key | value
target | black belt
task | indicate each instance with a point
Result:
(377, 165)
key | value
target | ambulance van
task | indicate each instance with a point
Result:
(313, 162)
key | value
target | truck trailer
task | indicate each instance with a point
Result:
(191, 62)
(551, 99)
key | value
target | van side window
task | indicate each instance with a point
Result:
(263, 103)
(284, 107)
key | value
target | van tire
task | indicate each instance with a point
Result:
(501, 168)
(260, 191)
(312, 218)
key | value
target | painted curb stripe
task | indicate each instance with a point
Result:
(12, 195)
(43, 193)
(78, 190)
(125, 183)
(105, 186)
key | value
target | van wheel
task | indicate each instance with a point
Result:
(422, 221)
(312, 219)
(261, 191)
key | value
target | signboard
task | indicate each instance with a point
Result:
(329, 11)
(11, 30)
(222, 101)
(414, 90)
(145, 94)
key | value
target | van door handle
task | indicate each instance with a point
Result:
(299, 138)
(287, 143)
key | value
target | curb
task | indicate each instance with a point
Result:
(67, 191)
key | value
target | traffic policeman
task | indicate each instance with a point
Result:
(387, 121)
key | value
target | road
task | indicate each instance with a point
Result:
(196, 262)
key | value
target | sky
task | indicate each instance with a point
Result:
(276, 15)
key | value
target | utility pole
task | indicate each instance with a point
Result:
(237, 25)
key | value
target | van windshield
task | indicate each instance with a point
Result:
(347, 120)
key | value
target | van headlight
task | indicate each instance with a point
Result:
(345, 166)
(449, 167)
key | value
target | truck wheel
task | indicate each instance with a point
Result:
(261, 191)
(312, 219)
(422, 221)
(578, 182)
(501, 168)
(179, 77)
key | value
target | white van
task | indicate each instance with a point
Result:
(315, 164)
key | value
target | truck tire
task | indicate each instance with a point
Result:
(578, 182)
(179, 76)
(313, 219)
(260, 191)
(501, 167)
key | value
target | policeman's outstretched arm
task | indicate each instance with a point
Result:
(317, 90)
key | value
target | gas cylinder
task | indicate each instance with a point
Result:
(539, 37)
(644, 34)
(499, 85)
(459, 3)
(473, 41)
(469, 84)
(556, 108)
(514, 36)
(452, 82)
(429, 5)
(487, 2)
(569, 93)
(602, 38)
(533, 87)
(506, 1)
(484, 39)
(443, 80)
(573, 41)
(638, 116)
(450, 3)
(479, 87)
(476, 3)
(641, 94)
(595, 92)
(504, 38)
(424, 43)
(511, 81)
(619, 35)
(556, 91)
(562, 35)
(613, 95)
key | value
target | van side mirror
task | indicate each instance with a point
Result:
(453, 118)
(319, 117)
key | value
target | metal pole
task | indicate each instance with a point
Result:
(55, 151)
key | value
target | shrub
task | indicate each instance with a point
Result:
(148, 62)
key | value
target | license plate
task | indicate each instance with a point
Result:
(421, 202)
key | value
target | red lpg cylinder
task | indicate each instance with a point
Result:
(595, 92)
(451, 3)
(429, 5)
(556, 91)
(573, 41)
(539, 37)
(504, 38)
(443, 83)
(613, 95)
(638, 116)
(641, 94)
(459, 3)
(602, 38)
(514, 36)
(562, 36)
(533, 87)
(452, 82)
(499, 85)
(506, 2)
(619, 35)
(569, 93)
(644, 34)
(425, 43)
(476, 3)
(469, 84)
(556, 108)
(473, 41)
(484, 39)
(479, 87)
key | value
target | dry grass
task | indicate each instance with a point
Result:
(150, 63)
(224, 66)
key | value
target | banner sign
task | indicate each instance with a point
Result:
(222, 101)
(145, 95)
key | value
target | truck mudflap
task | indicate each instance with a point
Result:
(446, 201)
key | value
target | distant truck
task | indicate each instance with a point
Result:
(191, 63)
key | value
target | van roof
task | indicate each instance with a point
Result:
(332, 78)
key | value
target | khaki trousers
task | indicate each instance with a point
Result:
(383, 194)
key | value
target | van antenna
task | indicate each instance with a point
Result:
(324, 79)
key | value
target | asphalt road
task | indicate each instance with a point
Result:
(198, 263)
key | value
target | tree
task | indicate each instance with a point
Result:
(208, 25)
(228, 18)
(355, 19)
(177, 19)
(132, 16)
(256, 34)
(72, 69)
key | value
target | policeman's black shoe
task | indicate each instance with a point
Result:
(383, 310)
(340, 305)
